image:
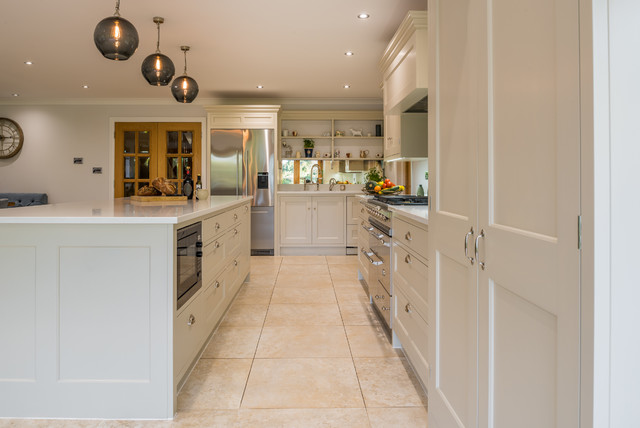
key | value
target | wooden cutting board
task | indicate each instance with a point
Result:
(159, 200)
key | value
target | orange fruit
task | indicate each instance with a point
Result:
(377, 188)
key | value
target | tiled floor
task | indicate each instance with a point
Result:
(300, 347)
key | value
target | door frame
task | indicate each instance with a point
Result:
(205, 150)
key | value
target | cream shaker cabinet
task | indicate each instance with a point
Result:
(312, 220)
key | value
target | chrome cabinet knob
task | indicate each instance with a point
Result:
(235, 232)
(217, 284)
(235, 216)
(384, 308)
(407, 259)
(246, 208)
(191, 320)
(407, 236)
(235, 263)
(217, 226)
(407, 308)
(217, 244)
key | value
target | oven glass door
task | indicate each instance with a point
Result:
(189, 263)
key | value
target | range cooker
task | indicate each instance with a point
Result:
(378, 250)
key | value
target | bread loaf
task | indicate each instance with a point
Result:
(148, 191)
(164, 186)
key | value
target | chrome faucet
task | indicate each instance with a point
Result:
(332, 183)
(317, 168)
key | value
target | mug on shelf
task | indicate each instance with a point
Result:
(285, 132)
(364, 153)
(348, 155)
(294, 133)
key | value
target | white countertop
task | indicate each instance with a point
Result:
(419, 213)
(336, 192)
(118, 211)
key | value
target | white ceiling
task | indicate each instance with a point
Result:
(295, 48)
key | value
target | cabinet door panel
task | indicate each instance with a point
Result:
(452, 281)
(329, 224)
(295, 220)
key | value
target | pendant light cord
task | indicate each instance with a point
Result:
(158, 44)
(117, 13)
(185, 62)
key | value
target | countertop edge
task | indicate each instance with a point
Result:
(414, 213)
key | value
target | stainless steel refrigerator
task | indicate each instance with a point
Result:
(242, 163)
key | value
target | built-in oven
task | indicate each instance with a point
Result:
(189, 262)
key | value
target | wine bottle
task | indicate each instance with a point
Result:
(187, 185)
(198, 182)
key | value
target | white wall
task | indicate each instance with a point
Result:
(418, 168)
(55, 134)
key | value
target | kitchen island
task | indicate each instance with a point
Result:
(88, 320)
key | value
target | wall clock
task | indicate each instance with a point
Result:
(11, 138)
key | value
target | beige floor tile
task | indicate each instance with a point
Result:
(245, 316)
(303, 295)
(347, 271)
(406, 417)
(49, 423)
(303, 342)
(266, 260)
(262, 280)
(253, 295)
(288, 314)
(297, 280)
(347, 283)
(351, 295)
(397, 387)
(184, 419)
(358, 313)
(265, 270)
(302, 383)
(215, 384)
(309, 260)
(233, 342)
(342, 260)
(304, 270)
(370, 341)
(302, 418)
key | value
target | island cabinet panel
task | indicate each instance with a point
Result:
(88, 287)
(95, 307)
(18, 288)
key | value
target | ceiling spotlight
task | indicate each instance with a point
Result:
(363, 15)
(15, 95)
(259, 86)
(28, 62)
(346, 86)
(85, 86)
(158, 69)
(115, 37)
(184, 88)
(348, 53)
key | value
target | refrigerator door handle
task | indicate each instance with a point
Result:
(238, 172)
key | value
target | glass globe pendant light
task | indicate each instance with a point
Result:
(184, 88)
(158, 69)
(115, 37)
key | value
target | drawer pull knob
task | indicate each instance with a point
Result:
(407, 236)
(235, 216)
(235, 263)
(246, 208)
(217, 226)
(235, 232)
(217, 244)
(407, 308)
(217, 284)
(384, 308)
(191, 320)
(407, 259)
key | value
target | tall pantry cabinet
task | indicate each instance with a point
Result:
(504, 140)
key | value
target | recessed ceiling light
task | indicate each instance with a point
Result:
(346, 86)
(16, 95)
(363, 15)
(259, 86)
(348, 53)
(29, 62)
(85, 86)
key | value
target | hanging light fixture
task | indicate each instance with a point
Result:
(115, 37)
(184, 88)
(158, 69)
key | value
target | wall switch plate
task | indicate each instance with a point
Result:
(77, 161)
(97, 170)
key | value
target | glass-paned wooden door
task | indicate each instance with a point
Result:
(146, 150)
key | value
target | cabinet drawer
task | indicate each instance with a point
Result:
(213, 297)
(411, 329)
(213, 258)
(189, 331)
(239, 214)
(215, 225)
(237, 271)
(234, 238)
(412, 236)
(410, 274)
